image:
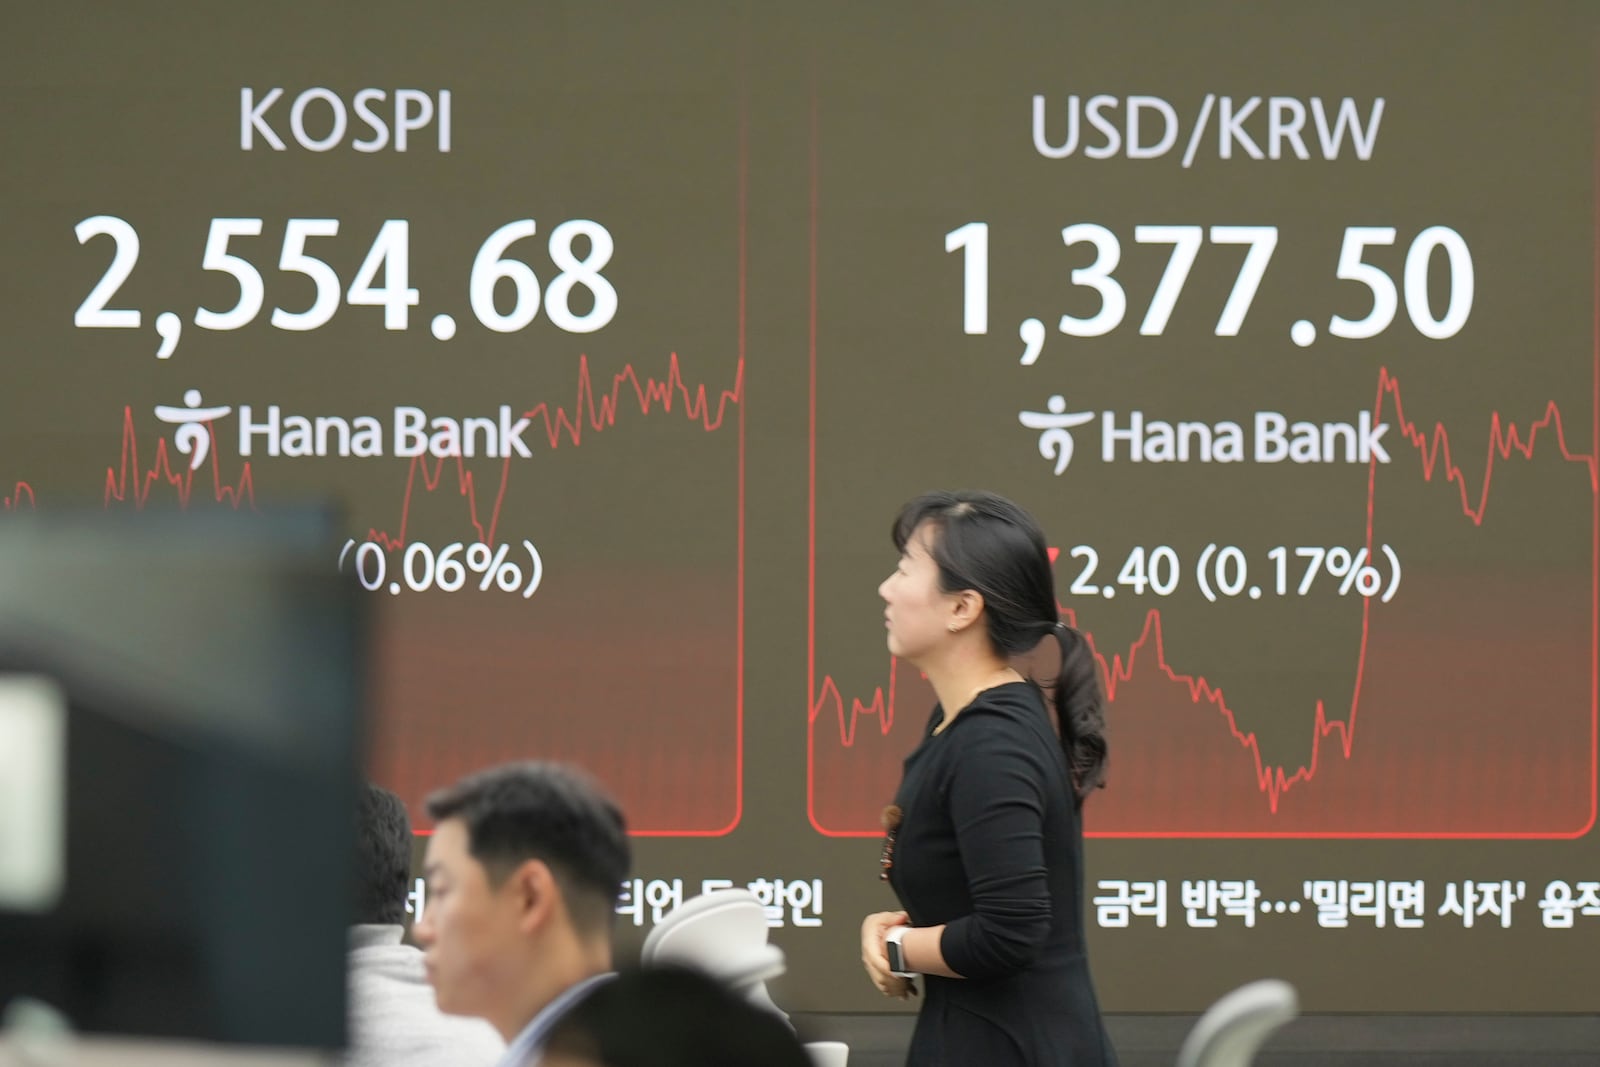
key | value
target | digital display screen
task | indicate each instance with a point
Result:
(620, 335)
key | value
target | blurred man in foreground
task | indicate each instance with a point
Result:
(523, 872)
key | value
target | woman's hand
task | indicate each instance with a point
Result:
(875, 957)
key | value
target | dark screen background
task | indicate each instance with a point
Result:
(714, 471)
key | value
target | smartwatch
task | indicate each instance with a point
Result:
(896, 954)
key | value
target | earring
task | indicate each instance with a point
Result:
(954, 627)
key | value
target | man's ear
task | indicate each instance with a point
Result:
(534, 894)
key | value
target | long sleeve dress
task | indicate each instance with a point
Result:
(990, 844)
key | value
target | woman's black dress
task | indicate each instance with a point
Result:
(990, 844)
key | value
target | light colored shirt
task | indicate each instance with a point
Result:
(395, 1020)
(526, 1048)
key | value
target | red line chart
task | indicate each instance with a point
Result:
(1330, 736)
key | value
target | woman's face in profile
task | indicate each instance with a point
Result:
(916, 613)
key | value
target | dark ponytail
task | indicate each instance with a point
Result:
(984, 542)
(1080, 709)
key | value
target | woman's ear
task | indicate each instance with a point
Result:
(967, 608)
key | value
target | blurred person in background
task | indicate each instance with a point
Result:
(394, 1019)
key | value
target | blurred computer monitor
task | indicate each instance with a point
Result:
(181, 698)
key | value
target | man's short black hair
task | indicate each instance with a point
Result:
(548, 812)
(383, 856)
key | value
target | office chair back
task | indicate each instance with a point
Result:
(1234, 1028)
(724, 933)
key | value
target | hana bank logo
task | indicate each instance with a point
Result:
(193, 438)
(1055, 442)
(1259, 437)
